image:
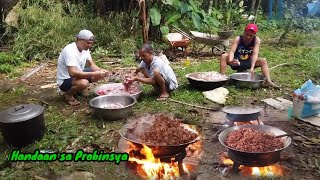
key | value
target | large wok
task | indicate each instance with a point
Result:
(158, 151)
(205, 85)
(258, 159)
(244, 80)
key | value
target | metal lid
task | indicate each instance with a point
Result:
(241, 110)
(21, 113)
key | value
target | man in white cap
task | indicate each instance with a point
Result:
(72, 76)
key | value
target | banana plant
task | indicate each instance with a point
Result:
(231, 13)
(178, 12)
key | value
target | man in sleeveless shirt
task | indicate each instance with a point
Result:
(243, 54)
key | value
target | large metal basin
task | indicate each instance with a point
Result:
(244, 80)
(99, 102)
(112, 85)
(202, 84)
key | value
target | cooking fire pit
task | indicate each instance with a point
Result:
(238, 115)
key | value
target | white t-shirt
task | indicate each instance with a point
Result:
(71, 56)
(165, 70)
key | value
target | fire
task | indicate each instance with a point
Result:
(249, 122)
(153, 168)
(271, 171)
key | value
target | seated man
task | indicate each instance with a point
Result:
(156, 72)
(243, 54)
(72, 77)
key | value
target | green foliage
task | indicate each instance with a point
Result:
(8, 61)
(188, 14)
(45, 29)
(230, 14)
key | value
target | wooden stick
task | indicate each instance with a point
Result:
(283, 64)
(32, 71)
(192, 105)
(303, 136)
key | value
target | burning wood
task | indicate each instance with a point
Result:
(274, 170)
(150, 167)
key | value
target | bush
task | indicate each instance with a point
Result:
(44, 31)
(8, 61)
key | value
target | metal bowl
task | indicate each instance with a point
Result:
(112, 85)
(205, 85)
(244, 80)
(99, 102)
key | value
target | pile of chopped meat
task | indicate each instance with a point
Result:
(113, 106)
(119, 90)
(251, 140)
(211, 76)
(167, 131)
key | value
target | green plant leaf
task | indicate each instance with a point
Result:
(173, 18)
(155, 16)
(184, 8)
(164, 30)
(193, 4)
(241, 4)
(227, 1)
(196, 21)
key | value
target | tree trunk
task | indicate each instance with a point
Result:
(144, 21)
(252, 6)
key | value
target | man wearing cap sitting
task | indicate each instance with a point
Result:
(72, 76)
(243, 55)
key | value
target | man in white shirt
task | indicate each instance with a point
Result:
(72, 77)
(156, 72)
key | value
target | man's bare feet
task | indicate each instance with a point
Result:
(163, 96)
(271, 84)
(71, 100)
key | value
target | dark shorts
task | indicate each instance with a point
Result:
(67, 83)
(244, 65)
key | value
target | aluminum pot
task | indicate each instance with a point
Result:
(99, 102)
(244, 80)
(258, 159)
(113, 85)
(205, 85)
(22, 125)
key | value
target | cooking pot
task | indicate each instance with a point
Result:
(22, 125)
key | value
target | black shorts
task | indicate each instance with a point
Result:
(244, 65)
(67, 83)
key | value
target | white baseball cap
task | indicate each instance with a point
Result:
(85, 35)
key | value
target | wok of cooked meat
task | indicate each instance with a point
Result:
(251, 140)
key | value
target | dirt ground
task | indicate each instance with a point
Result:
(303, 153)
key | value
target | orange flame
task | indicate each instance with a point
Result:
(153, 168)
(272, 171)
(250, 122)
